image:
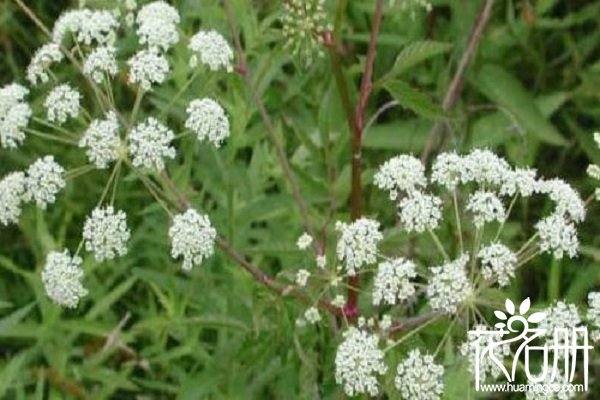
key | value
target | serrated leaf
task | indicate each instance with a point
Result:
(413, 99)
(414, 54)
(504, 89)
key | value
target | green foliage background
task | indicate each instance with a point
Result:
(532, 93)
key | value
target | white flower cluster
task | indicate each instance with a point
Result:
(593, 169)
(212, 50)
(551, 389)
(357, 245)
(101, 63)
(562, 316)
(312, 315)
(475, 341)
(106, 234)
(392, 281)
(420, 212)
(158, 25)
(44, 179)
(498, 263)
(568, 202)
(558, 235)
(449, 285)
(486, 207)
(192, 237)
(207, 119)
(593, 315)
(304, 241)
(12, 192)
(14, 115)
(150, 142)
(62, 102)
(86, 27)
(62, 277)
(101, 141)
(418, 377)
(42, 60)
(358, 361)
(146, 68)
(401, 174)
(302, 277)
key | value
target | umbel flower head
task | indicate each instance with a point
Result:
(62, 103)
(44, 179)
(212, 50)
(192, 237)
(14, 115)
(449, 285)
(62, 277)
(106, 234)
(150, 143)
(558, 236)
(486, 207)
(157, 25)
(44, 57)
(304, 23)
(12, 191)
(498, 263)
(420, 212)
(86, 27)
(207, 119)
(401, 174)
(101, 141)
(392, 281)
(357, 244)
(358, 362)
(101, 63)
(418, 377)
(147, 68)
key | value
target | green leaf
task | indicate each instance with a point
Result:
(411, 98)
(416, 53)
(405, 136)
(505, 90)
(11, 371)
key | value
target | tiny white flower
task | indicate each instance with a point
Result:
(101, 62)
(14, 115)
(42, 60)
(521, 181)
(62, 277)
(339, 301)
(12, 191)
(486, 207)
(418, 377)
(558, 236)
(207, 119)
(86, 26)
(420, 212)
(560, 316)
(211, 49)
(302, 277)
(403, 173)
(62, 102)
(484, 167)
(150, 143)
(357, 244)
(386, 322)
(449, 285)
(192, 237)
(102, 141)
(44, 179)
(447, 170)
(312, 315)
(147, 68)
(568, 202)
(498, 263)
(358, 362)
(392, 281)
(321, 261)
(106, 234)
(158, 25)
(304, 241)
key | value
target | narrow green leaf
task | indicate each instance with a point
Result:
(411, 98)
(505, 90)
(416, 53)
